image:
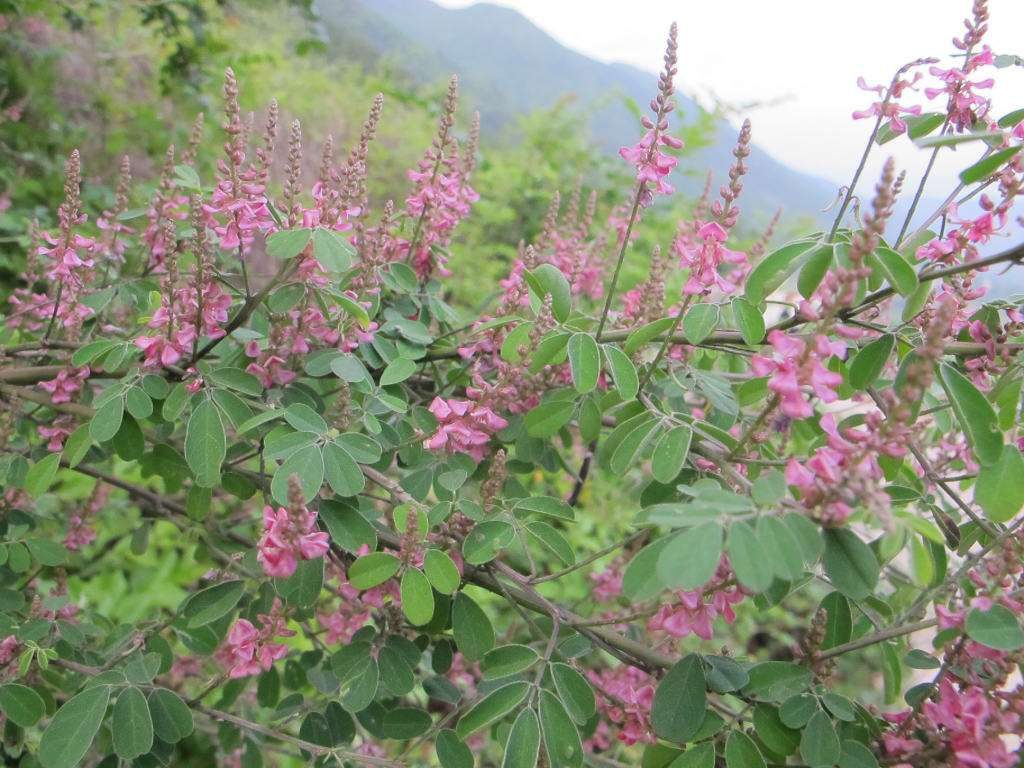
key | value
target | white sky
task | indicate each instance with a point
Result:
(808, 52)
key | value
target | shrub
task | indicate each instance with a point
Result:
(269, 497)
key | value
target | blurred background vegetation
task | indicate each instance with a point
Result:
(128, 78)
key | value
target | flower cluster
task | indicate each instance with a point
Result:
(888, 106)
(237, 210)
(248, 650)
(625, 695)
(652, 164)
(692, 612)
(290, 535)
(464, 426)
(796, 364)
(441, 195)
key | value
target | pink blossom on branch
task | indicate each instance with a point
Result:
(464, 426)
(289, 535)
(796, 365)
(652, 164)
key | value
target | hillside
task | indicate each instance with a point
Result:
(508, 66)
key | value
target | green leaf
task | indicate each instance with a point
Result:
(647, 333)
(551, 540)
(769, 488)
(41, 475)
(627, 383)
(776, 735)
(209, 604)
(698, 756)
(47, 552)
(749, 320)
(574, 691)
(362, 448)
(205, 444)
(640, 581)
(303, 587)
(773, 269)
(288, 243)
(975, 414)
(91, 351)
(670, 453)
(131, 724)
(548, 506)
(742, 752)
(492, 707)
(819, 744)
(870, 361)
(71, 731)
(896, 270)
(107, 420)
(547, 418)
(441, 571)
(624, 452)
(308, 464)
(850, 563)
(838, 620)
(370, 570)
(747, 557)
(1000, 487)
(548, 279)
(304, 419)
(139, 404)
(814, 269)
(797, 710)
(508, 660)
(486, 540)
(417, 597)
(782, 551)
(451, 751)
(777, 681)
(856, 755)
(700, 321)
(996, 628)
(398, 370)
(77, 446)
(680, 701)
(330, 248)
(471, 628)
(690, 559)
(985, 167)
(405, 723)
(523, 746)
(584, 361)
(561, 739)
(21, 704)
(238, 380)
(348, 529)
(341, 470)
(1009, 120)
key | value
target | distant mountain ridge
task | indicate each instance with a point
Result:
(507, 66)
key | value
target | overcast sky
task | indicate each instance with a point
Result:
(806, 53)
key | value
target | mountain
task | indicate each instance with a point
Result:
(508, 66)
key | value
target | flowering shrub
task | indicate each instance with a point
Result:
(383, 506)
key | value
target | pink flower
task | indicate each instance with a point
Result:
(652, 165)
(704, 258)
(287, 536)
(630, 709)
(248, 650)
(889, 109)
(796, 365)
(965, 107)
(693, 612)
(464, 426)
